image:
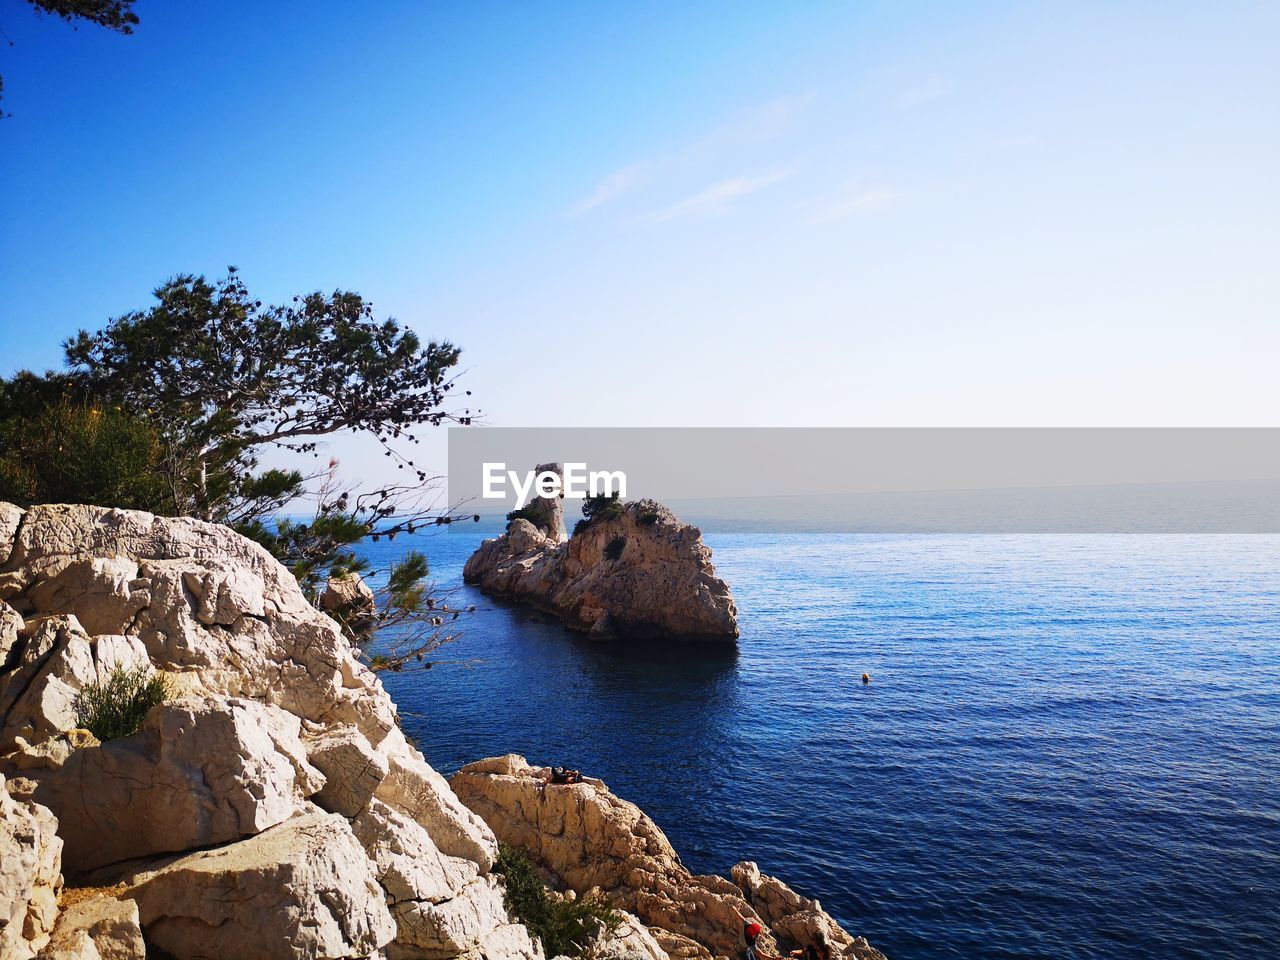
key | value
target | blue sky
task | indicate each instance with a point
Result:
(687, 214)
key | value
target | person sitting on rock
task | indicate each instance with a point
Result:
(751, 930)
(563, 775)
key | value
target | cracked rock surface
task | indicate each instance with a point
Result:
(270, 809)
(30, 853)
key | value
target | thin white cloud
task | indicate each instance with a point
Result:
(855, 200)
(718, 197)
(933, 87)
(766, 121)
(613, 186)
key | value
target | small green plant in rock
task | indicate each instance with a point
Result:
(116, 707)
(524, 513)
(602, 506)
(565, 927)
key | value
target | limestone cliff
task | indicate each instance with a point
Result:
(272, 809)
(640, 574)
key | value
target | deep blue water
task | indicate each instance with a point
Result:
(1070, 746)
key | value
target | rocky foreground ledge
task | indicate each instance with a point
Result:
(643, 574)
(272, 808)
(592, 841)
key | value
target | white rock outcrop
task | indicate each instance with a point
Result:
(207, 604)
(631, 940)
(30, 876)
(271, 808)
(51, 662)
(409, 865)
(200, 772)
(641, 574)
(303, 888)
(10, 624)
(351, 767)
(99, 927)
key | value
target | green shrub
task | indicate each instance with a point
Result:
(603, 506)
(647, 518)
(565, 927)
(531, 514)
(74, 452)
(614, 550)
(116, 707)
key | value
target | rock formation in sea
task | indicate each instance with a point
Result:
(272, 807)
(593, 841)
(641, 573)
(547, 513)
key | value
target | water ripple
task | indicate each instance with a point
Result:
(1069, 747)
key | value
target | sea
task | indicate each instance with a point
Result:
(1069, 745)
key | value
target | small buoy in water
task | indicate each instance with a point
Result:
(866, 678)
